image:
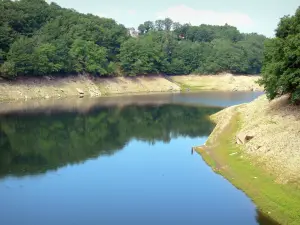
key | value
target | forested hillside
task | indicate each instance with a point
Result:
(37, 38)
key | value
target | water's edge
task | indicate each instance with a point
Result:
(228, 159)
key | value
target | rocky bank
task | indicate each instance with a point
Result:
(86, 86)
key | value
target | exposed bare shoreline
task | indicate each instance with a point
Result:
(85, 86)
(256, 146)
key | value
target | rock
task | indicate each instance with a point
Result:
(80, 91)
(242, 138)
(200, 148)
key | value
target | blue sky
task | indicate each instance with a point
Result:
(261, 16)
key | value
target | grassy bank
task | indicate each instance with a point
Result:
(280, 202)
(223, 82)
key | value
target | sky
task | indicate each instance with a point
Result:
(260, 16)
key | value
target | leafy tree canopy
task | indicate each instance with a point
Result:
(37, 38)
(281, 69)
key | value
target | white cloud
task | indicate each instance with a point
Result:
(185, 14)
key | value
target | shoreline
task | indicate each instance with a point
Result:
(85, 86)
(276, 192)
(85, 104)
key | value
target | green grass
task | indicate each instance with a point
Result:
(187, 88)
(281, 202)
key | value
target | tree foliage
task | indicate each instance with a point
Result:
(281, 70)
(88, 57)
(141, 56)
(184, 49)
(37, 38)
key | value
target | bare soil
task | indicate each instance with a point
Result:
(88, 86)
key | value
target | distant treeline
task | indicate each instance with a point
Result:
(37, 38)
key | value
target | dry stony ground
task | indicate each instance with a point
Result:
(50, 87)
(275, 130)
(124, 85)
(47, 87)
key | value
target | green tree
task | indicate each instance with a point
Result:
(159, 25)
(281, 69)
(45, 59)
(38, 38)
(7, 36)
(51, 25)
(168, 24)
(253, 46)
(224, 56)
(142, 29)
(192, 54)
(146, 27)
(88, 57)
(141, 56)
(20, 58)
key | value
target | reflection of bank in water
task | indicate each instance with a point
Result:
(37, 142)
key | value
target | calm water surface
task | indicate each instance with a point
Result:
(126, 162)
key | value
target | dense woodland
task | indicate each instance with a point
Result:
(37, 38)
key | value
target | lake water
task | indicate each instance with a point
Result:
(116, 160)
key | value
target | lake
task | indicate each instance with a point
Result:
(116, 160)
